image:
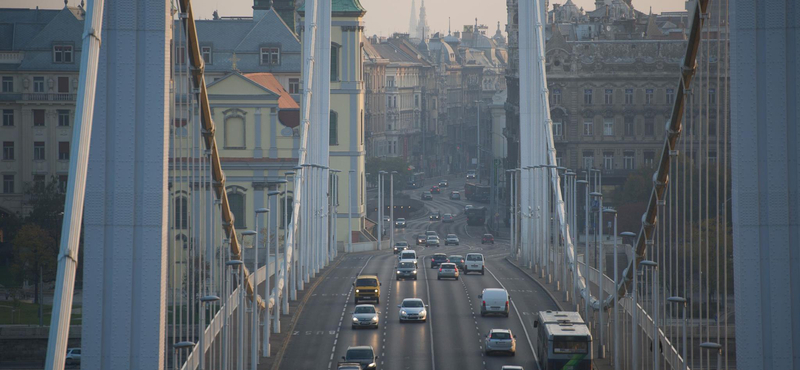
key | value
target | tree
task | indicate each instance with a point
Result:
(46, 201)
(35, 254)
(373, 165)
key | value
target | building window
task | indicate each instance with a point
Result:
(235, 132)
(181, 212)
(63, 117)
(8, 117)
(628, 156)
(8, 150)
(609, 95)
(629, 126)
(62, 54)
(629, 96)
(670, 96)
(588, 159)
(8, 184)
(334, 63)
(608, 127)
(205, 51)
(63, 150)
(712, 127)
(608, 160)
(294, 86)
(416, 101)
(38, 117)
(389, 81)
(587, 128)
(180, 55)
(236, 204)
(62, 183)
(649, 157)
(334, 129)
(38, 181)
(559, 159)
(270, 56)
(712, 157)
(712, 96)
(555, 97)
(394, 102)
(587, 97)
(649, 126)
(558, 128)
(38, 150)
(8, 84)
(38, 84)
(648, 96)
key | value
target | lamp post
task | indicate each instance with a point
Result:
(276, 322)
(527, 250)
(299, 238)
(350, 212)
(203, 302)
(333, 211)
(680, 301)
(711, 346)
(613, 213)
(178, 347)
(568, 216)
(306, 227)
(512, 200)
(601, 272)
(391, 206)
(634, 309)
(236, 268)
(288, 292)
(585, 248)
(381, 226)
(254, 313)
(656, 339)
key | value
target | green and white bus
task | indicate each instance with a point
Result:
(564, 341)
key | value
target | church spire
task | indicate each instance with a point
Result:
(412, 22)
(422, 25)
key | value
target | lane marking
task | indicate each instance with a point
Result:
(429, 319)
(346, 301)
(527, 336)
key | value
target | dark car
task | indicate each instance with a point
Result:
(400, 223)
(435, 216)
(435, 190)
(447, 218)
(454, 195)
(458, 260)
(421, 238)
(426, 195)
(400, 246)
(363, 355)
(487, 238)
(443, 184)
(437, 259)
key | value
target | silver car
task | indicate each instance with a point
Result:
(432, 241)
(365, 316)
(447, 271)
(500, 340)
(451, 239)
(413, 309)
(406, 270)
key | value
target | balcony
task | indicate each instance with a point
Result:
(10, 96)
(11, 57)
(49, 97)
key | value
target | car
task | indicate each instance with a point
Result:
(413, 309)
(487, 238)
(365, 315)
(368, 287)
(386, 219)
(362, 355)
(73, 356)
(438, 259)
(511, 367)
(458, 260)
(451, 239)
(435, 216)
(432, 241)
(400, 246)
(435, 190)
(443, 183)
(470, 174)
(421, 238)
(454, 195)
(468, 207)
(447, 218)
(426, 195)
(348, 366)
(494, 301)
(500, 340)
(447, 270)
(431, 233)
(408, 255)
(406, 270)
(400, 223)
(473, 263)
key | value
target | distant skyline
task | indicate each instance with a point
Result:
(386, 17)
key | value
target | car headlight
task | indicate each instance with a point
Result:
(423, 312)
(398, 272)
(413, 272)
(402, 312)
(355, 319)
(357, 290)
(375, 318)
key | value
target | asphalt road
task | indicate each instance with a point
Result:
(452, 337)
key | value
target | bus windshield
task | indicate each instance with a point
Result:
(569, 346)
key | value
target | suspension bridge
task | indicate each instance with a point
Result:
(157, 299)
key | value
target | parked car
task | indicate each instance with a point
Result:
(400, 246)
(413, 309)
(435, 190)
(426, 195)
(454, 195)
(432, 241)
(447, 218)
(447, 270)
(438, 259)
(365, 315)
(73, 356)
(458, 260)
(443, 183)
(363, 355)
(500, 340)
(494, 301)
(400, 223)
(487, 238)
(421, 238)
(435, 216)
(474, 263)
(451, 239)
(406, 270)
(470, 174)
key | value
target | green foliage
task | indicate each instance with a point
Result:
(35, 254)
(46, 202)
(373, 165)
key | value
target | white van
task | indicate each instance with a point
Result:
(408, 256)
(473, 263)
(494, 301)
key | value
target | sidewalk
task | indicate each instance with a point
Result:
(558, 298)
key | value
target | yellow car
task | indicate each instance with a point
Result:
(368, 288)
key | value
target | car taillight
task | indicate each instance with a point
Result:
(484, 303)
(440, 269)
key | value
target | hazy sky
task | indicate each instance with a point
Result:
(387, 16)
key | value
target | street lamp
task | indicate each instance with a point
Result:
(550, 236)
(512, 202)
(613, 213)
(656, 339)
(350, 213)
(711, 346)
(391, 206)
(333, 212)
(601, 272)
(203, 302)
(236, 268)
(254, 315)
(288, 292)
(178, 347)
(680, 301)
(276, 327)
(381, 226)
(585, 247)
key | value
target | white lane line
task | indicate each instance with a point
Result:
(347, 299)
(527, 336)
(429, 319)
